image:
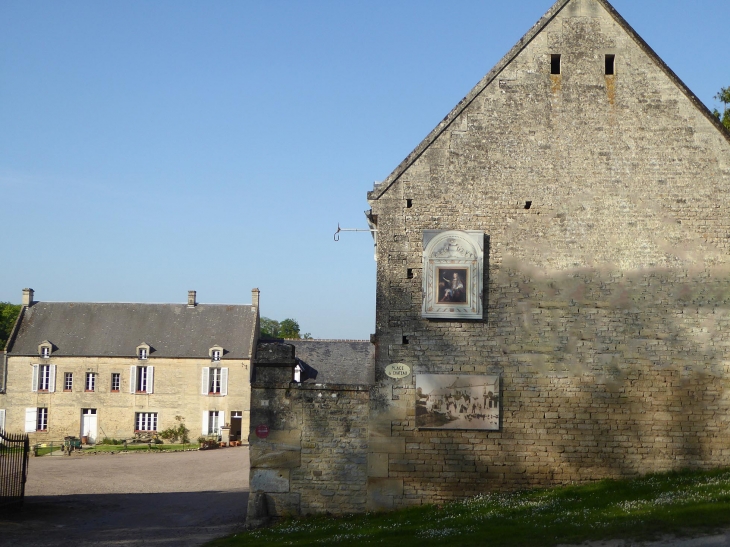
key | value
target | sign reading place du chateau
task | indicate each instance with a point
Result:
(397, 370)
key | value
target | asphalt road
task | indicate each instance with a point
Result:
(157, 499)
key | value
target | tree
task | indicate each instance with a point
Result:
(724, 97)
(8, 314)
(288, 328)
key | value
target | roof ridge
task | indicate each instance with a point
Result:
(325, 340)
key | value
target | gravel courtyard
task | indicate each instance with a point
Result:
(155, 499)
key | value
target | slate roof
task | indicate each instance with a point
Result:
(336, 361)
(115, 330)
(380, 188)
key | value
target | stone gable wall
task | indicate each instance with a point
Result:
(607, 297)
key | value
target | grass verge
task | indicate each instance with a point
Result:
(680, 503)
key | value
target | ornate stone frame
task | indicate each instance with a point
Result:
(454, 250)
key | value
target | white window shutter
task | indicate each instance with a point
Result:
(224, 381)
(34, 385)
(2, 419)
(204, 388)
(221, 419)
(150, 379)
(132, 379)
(205, 422)
(52, 379)
(31, 416)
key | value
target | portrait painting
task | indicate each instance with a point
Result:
(455, 401)
(452, 285)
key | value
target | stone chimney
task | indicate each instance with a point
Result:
(255, 297)
(191, 299)
(27, 297)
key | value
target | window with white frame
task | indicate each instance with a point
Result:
(116, 381)
(44, 378)
(214, 381)
(145, 421)
(68, 381)
(141, 379)
(36, 419)
(212, 421)
(45, 352)
(216, 355)
(2, 419)
(90, 381)
(142, 353)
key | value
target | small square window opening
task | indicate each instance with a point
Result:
(555, 63)
(142, 353)
(610, 65)
(45, 352)
(409, 203)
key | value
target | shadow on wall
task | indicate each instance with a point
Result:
(604, 375)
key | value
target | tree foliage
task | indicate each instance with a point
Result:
(8, 314)
(288, 328)
(724, 98)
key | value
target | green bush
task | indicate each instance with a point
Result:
(107, 440)
(176, 433)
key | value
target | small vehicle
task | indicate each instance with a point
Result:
(70, 444)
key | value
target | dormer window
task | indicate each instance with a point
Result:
(143, 351)
(298, 373)
(44, 349)
(215, 353)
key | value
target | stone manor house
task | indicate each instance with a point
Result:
(100, 370)
(553, 293)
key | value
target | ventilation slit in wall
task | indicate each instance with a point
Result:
(528, 204)
(610, 65)
(555, 63)
(409, 203)
(409, 273)
(405, 341)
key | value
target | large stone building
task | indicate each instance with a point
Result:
(111, 370)
(553, 281)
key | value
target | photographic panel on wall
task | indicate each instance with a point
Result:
(457, 401)
(452, 274)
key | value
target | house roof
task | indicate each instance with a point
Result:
(381, 188)
(336, 361)
(115, 329)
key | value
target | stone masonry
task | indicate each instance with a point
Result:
(604, 203)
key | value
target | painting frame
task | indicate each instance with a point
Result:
(470, 402)
(453, 252)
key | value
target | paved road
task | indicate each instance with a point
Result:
(130, 500)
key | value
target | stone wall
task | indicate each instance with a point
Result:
(604, 204)
(313, 459)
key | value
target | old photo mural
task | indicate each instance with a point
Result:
(457, 401)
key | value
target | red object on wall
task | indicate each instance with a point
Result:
(262, 431)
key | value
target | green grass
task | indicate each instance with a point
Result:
(676, 503)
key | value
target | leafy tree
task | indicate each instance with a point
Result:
(288, 328)
(724, 97)
(8, 314)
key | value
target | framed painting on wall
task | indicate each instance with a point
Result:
(452, 274)
(457, 401)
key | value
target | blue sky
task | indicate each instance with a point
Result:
(149, 148)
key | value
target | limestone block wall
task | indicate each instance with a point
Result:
(314, 459)
(177, 392)
(604, 204)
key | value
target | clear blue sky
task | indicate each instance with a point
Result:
(148, 148)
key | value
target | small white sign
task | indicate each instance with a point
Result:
(397, 370)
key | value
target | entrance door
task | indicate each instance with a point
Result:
(236, 425)
(88, 424)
